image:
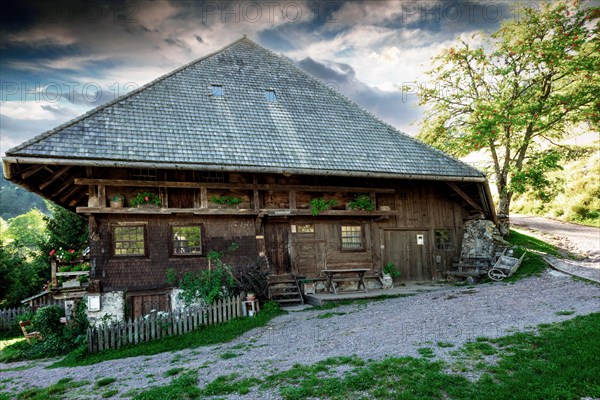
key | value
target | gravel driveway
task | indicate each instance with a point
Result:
(394, 327)
(583, 241)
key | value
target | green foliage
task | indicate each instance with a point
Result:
(56, 338)
(214, 283)
(516, 93)
(579, 201)
(26, 231)
(362, 202)
(319, 204)
(20, 276)
(144, 198)
(56, 391)
(229, 200)
(104, 382)
(391, 269)
(47, 320)
(66, 230)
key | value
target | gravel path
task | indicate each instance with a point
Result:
(583, 241)
(394, 327)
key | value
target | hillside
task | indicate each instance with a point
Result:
(15, 200)
(580, 200)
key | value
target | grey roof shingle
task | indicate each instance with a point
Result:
(176, 120)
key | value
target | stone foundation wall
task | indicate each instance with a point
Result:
(481, 239)
(112, 306)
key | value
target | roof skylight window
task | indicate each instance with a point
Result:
(216, 90)
(270, 95)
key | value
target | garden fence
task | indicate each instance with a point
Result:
(158, 325)
(7, 316)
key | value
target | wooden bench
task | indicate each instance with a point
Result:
(29, 335)
(359, 272)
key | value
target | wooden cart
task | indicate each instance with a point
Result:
(505, 267)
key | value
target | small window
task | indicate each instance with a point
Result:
(217, 90)
(129, 241)
(270, 95)
(352, 238)
(187, 240)
(309, 228)
(443, 239)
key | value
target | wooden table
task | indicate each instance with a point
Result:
(360, 272)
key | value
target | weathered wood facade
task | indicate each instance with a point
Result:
(274, 154)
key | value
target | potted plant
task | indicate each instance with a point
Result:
(117, 201)
(389, 272)
(319, 204)
(145, 199)
(363, 202)
(226, 200)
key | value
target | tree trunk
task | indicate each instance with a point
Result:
(503, 210)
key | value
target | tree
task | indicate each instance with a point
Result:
(515, 93)
(65, 229)
(27, 230)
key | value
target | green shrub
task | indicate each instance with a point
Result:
(47, 320)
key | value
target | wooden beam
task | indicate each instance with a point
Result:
(163, 196)
(255, 193)
(203, 198)
(31, 171)
(70, 193)
(101, 196)
(239, 186)
(57, 175)
(465, 196)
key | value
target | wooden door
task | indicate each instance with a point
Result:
(403, 249)
(306, 251)
(144, 304)
(277, 247)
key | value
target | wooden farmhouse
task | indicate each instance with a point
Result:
(233, 147)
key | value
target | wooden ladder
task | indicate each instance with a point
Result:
(285, 289)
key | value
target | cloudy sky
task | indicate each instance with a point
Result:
(61, 59)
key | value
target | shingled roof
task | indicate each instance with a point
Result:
(177, 122)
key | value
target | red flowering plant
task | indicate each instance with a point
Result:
(65, 255)
(144, 198)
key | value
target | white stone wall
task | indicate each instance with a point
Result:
(112, 307)
(177, 304)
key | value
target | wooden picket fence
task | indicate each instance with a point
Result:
(8, 315)
(155, 326)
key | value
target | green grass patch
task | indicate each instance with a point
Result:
(174, 371)
(564, 312)
(110, 393)
(184, 386)
(329, 315)
(229, 354)
(55, 391)
(104, 382)
(521, 240)
(215, 334)
(444, 345)
(426, 352)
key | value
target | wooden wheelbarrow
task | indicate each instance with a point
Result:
(505, 267)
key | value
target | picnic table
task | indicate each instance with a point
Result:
(360, 276)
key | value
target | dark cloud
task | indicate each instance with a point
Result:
(395, 108)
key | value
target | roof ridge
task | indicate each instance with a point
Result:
(101, 107)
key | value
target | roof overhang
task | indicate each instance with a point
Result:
(229, 168)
